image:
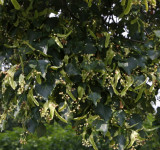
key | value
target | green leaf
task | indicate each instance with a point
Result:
(16, 4)
(129, 65)
(107, 35)
(65, 111)
(123, 2)
(135, 121)
(80, 118)
(92, 34)
(31, 125)
(140, 81)
(103, 111)
(109, 56)
(114, 81)
(90, 3)
(21, 84)
(12, 71)
(139, 95)
(81, 91)
(90, 48)
(38, 79)
(42, 66)
(121, 142)
(153, 54)
(133, 138)
(70, 94)
(1, 2)
(56, 67)
(41, 130)
(94, 97)
(51, 107)
(58, 42)
(128, 8)
(157, 33)
(30, 97)
(153, 82)
(72, 69)
(12, 83)
(62, 106)
(45, 89)
(121, 117)
(129, 82)
(117, 76)
(91, 139)
(101, 126)
(60, 118)
(64, 35)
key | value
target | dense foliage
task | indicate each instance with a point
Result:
(56, 138)
(79, 67)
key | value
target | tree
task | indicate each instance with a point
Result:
(79, 67)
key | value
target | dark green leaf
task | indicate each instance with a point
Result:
(45, 89)
(152, 54)
(135, 120)
(103, 111)
(31, 125)
(121, 142)
(90, 49)
(71, 69)
(41, 130)
(42, 67)
(157, 33)
(121, 117)
(101, 126)
(94, 97)
(129, 65)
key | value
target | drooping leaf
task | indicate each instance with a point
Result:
(70, 94)
(107, 35)
(91, 139)
(62, 106)
(16, 4)
(58, 42)
(30, 97)
(64, 35)
(133, 138)
(109, 56)
(92, 34)
(129, 82)
(56, 67)
(51, 107)
(60, 118)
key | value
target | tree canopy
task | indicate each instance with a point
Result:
(84, 62)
